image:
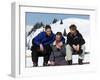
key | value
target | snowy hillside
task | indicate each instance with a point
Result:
(28, 28)
(31, 36)
(82, 25)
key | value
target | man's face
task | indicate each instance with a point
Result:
(72, 31)
(48, 32)
(58, 37)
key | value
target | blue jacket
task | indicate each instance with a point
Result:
(42, 38)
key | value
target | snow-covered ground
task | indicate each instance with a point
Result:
(40, 60)
(83, 26)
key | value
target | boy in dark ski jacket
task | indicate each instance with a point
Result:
(75, 44)
(41, 45)
(58, 53)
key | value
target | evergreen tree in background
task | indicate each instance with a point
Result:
(64, 33)
(54, 21)
(35, 27)
(61, 22)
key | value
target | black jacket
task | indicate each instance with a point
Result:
(75, 39)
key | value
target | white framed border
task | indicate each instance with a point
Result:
(18, 39)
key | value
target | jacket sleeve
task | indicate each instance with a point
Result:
(51, 40)
(37, 39)
(81, 40)
(63, 40)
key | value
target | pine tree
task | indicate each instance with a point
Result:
(38, 25)
(64, 33)
(54, 21)
(61, 22)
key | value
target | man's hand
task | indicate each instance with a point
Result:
(76, 47)
(41, 47)
(59, 45)
(51, 62)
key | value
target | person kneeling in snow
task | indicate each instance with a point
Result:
(41, 45)
(75, 44)
(58, 53)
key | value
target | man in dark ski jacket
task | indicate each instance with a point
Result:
(41, 45)
(75, 44)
